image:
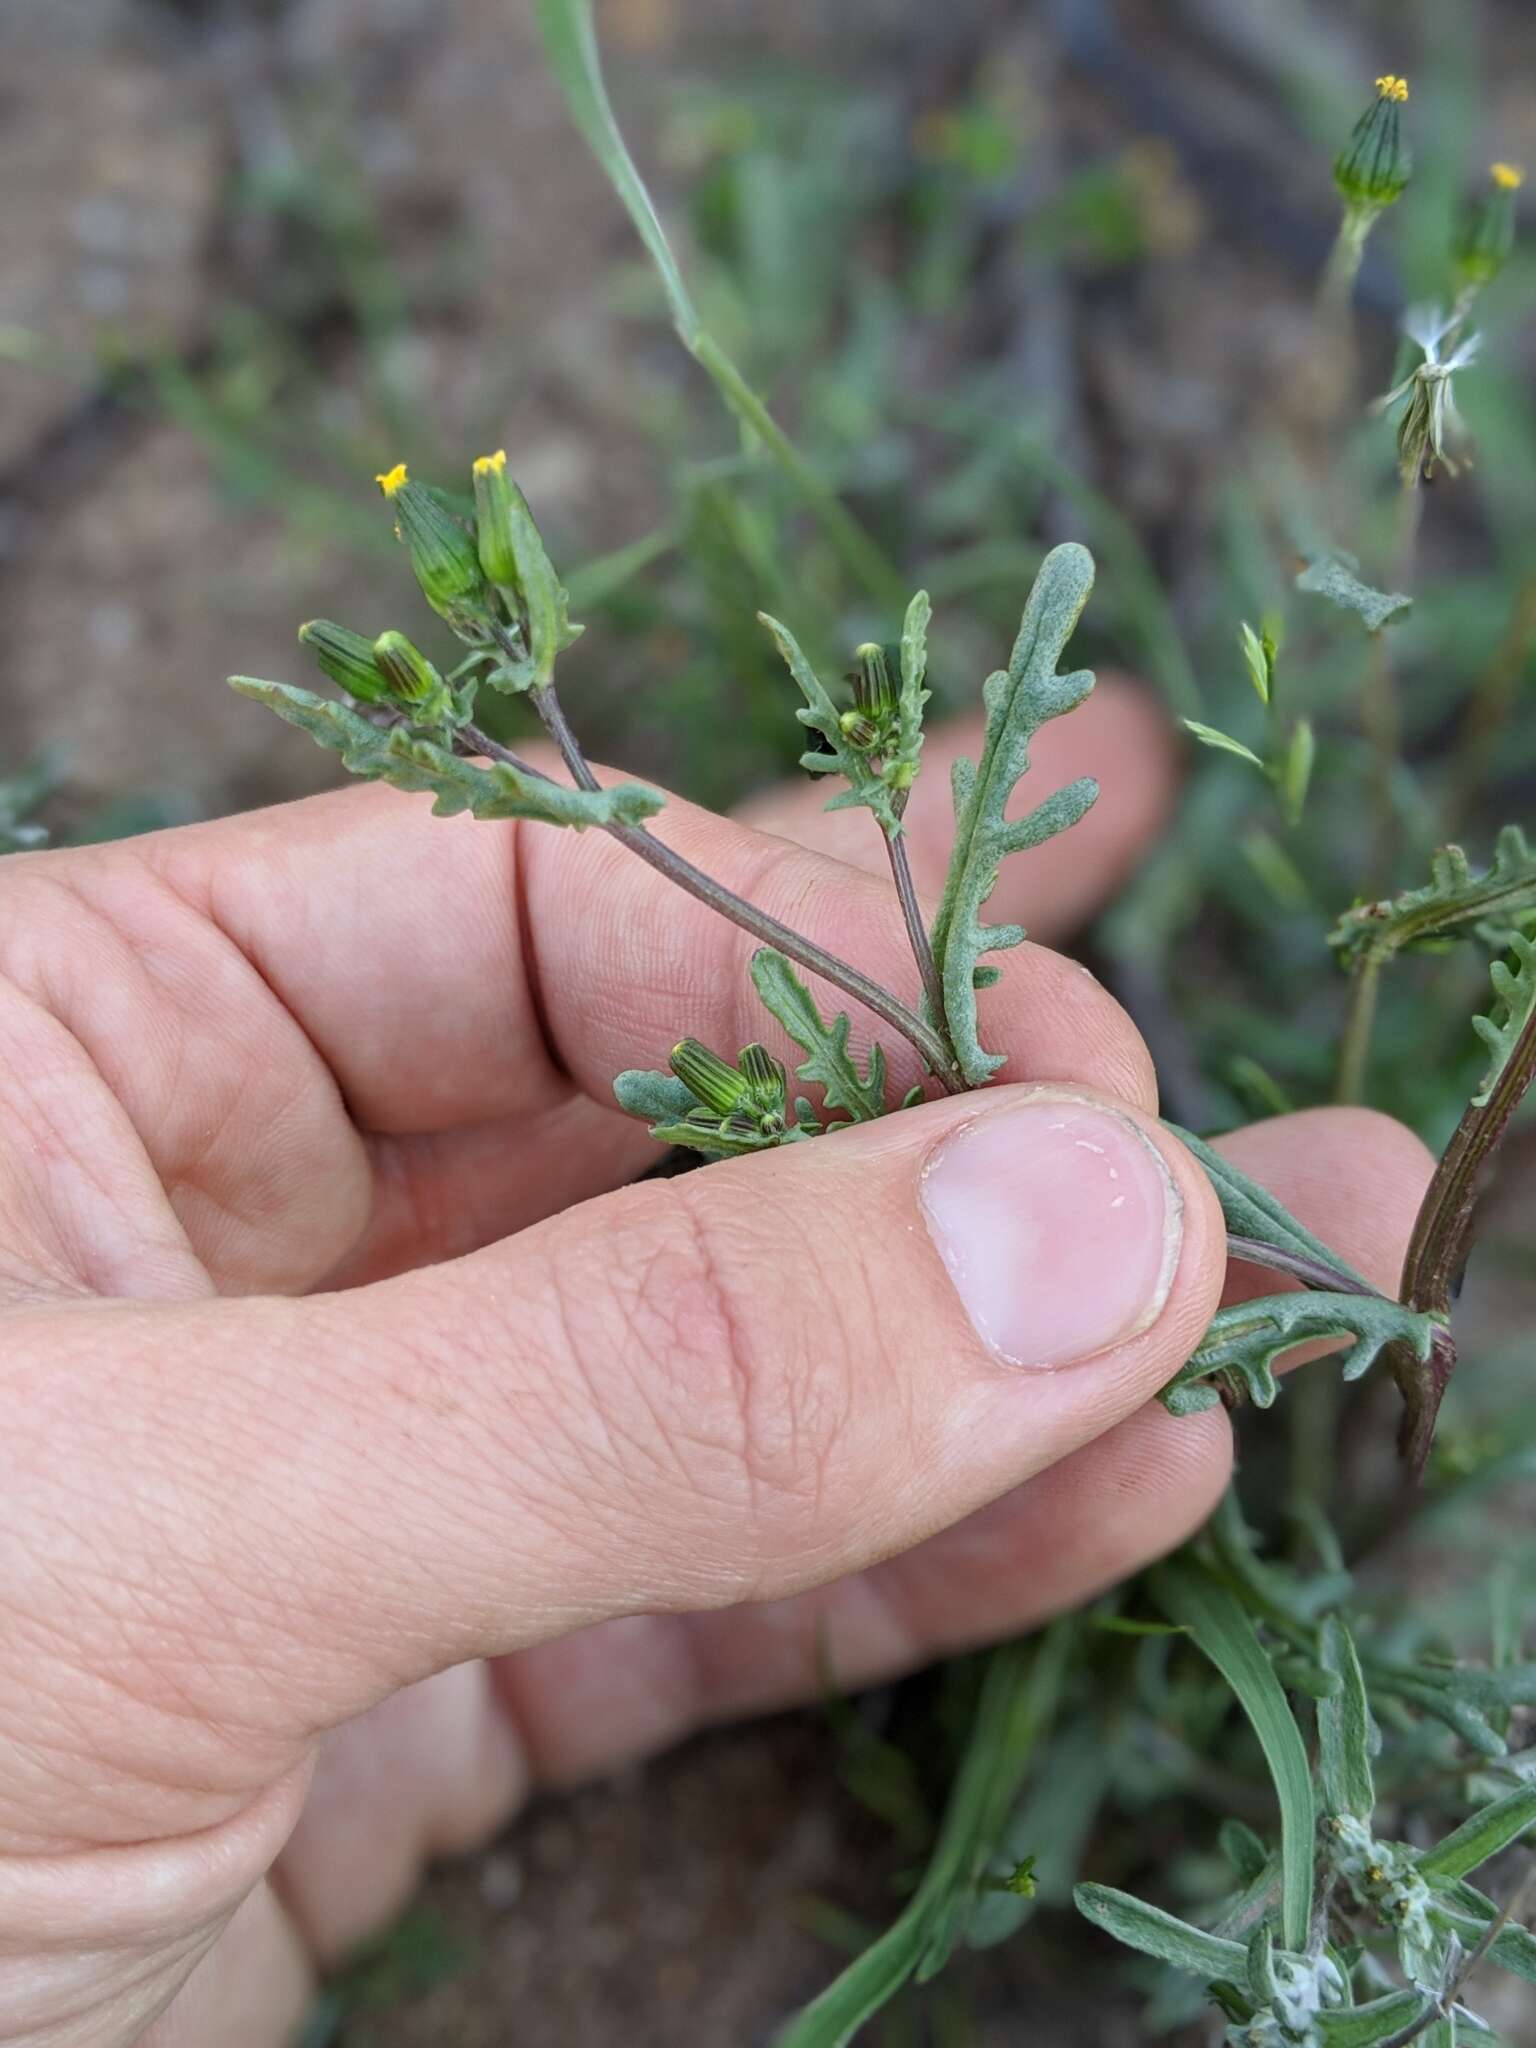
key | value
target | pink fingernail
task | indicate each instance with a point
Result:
(1060, 1225)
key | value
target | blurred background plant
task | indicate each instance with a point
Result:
(1009, 274)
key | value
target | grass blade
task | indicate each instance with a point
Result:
(1220, 1626)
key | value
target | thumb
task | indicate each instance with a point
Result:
(723, 1387)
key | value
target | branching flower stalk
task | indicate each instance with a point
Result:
(705, 889)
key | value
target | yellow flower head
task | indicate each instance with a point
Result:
(491, 465)
(390, 480)
(1391, 87)
(1508, 177)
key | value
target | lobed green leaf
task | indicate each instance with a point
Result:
(913, 697)
(1514, 1006)
(828, 1061)
(1239, 1349)
(1334, 575)
(1019, 700)
(409, 761)
(1456, 898)
(867, 786)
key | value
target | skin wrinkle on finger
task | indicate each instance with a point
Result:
(513, 1482)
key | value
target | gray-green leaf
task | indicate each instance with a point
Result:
(1344, 1727)
(1252, 1211)
(1362, 2026)
(1219, 1623)
(1019, 700)
(1156, 1933)
(914, 670)
(1239, 1349)
(1513, 1007)
(1456, 898)
(659, 1098)
(486, 789)
(1334, 576)
(866, 786)
(828, 1061)
(1488, 1831)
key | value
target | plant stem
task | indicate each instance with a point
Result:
(1445, 2003)
(665, 861)
(1442, 1239)
(861, 556)
(1359, 1019)
(912, 914)
(1336, 286)
(1311, 1272)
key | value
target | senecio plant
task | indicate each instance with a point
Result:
(1332, 1931)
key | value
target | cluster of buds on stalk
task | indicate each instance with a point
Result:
(1371, 173)
(873, 726)
(745, 1103)
(487, 574)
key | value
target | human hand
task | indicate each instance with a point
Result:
(338, 1358)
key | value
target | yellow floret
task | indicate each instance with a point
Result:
(486, 464)
(390, 480)
(1391, 87)
(1508, 177)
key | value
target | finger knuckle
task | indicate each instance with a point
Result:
(729, 1384)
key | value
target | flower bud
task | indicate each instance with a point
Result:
(411, 677)
(442, 551)
(710, 1079)
(1487, 237)
(859, 731)
(347, 658)
(873, 690)
(767, 1085)
(1374, 166)
(495, 520)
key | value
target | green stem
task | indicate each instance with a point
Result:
(1359, 1021)
(917, 931)
(570, 41)
(862, 557)
(924, 1041)
(1336, 286)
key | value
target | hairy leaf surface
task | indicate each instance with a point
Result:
(1019, 700)
(1239, 1349)
(486, 789)
(1457, 897)
(828, 1061)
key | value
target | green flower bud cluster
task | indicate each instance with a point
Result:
(871, 724)
(487, 574)
(746, 1101)
(390, 670)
